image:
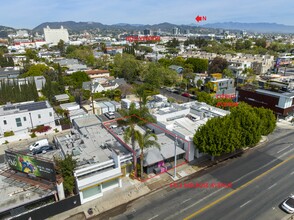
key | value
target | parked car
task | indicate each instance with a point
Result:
(288, 204)
(43, 149)
(185, 94)
(110, 115)
(38, 144)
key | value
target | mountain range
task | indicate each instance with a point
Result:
(254, 27)
(73, 26)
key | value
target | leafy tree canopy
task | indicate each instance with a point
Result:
(199, 65)
(242, 128)
(218, 65)
(36, 70)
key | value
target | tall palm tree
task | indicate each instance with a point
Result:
(131, 135)
(131, 118)
(146, 140)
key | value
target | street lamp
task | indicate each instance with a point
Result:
(175, 165)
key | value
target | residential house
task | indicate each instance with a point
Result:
(176, 68)
(9, 72)
(93, 74)
(22, 117)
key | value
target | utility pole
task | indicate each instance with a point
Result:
(175, 165)
(92, 100)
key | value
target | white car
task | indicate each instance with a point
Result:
(288, 204)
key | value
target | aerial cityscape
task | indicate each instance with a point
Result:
(147, 110)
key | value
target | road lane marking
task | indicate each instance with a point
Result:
(285, 153)
(292, 173)
(186, 200)
(272, 186)
(245, 203)
(237, 190)
(190, 206)
(284, 148)
(265, 165)
(155, 216)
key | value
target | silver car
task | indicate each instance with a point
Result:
(288, 204)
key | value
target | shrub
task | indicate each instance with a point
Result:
(41, 129)
(8, 133)
(33, 135)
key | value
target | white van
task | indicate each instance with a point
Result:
(38, 144)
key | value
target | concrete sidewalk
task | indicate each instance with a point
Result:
(132, 189)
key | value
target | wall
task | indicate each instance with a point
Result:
(52, 209)
(261, 100)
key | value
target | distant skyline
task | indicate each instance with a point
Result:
(31, 13)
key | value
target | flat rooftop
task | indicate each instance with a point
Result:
(17, 189)
(10, 109)
(153, 155)
(91, 144)
(275, 94)
(187, 122)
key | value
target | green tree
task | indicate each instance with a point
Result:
(126, 66)
(227, 73)
(65, 167)
(242, 128)
(199, 65)
(61, 47)
(199, 83)
(76, 79)
(247, 44)
(36, 70)
(239, 45)
(147, 140)
(173, 43)
(217, 65)
(260, 42)
(31, 54)
(205, 97)
(209, 86)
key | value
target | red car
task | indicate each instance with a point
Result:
(185, 94)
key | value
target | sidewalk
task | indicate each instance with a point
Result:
(132, 189)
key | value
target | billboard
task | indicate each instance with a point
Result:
(142, 38)
(31, 165)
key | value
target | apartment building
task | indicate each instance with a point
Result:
(22, 117)
(53, 36)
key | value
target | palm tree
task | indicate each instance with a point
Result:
(131, 118)
(147, 140)
(131, 135)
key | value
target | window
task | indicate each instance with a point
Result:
(5, 122)
(50, 114)
(24, 119)
(18, 122)
(39, 116)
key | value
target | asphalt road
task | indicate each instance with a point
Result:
(177, 97)
(261, 179)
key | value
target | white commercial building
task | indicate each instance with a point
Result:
(53, 36)
(22, 117)
(183, 120)
(101, 159)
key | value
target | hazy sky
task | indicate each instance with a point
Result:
(30, 13)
